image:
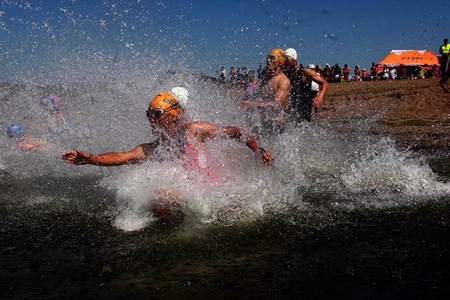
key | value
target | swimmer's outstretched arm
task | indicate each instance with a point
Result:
(323, 86)
(200, 131)
(236, 133)
(79, 157)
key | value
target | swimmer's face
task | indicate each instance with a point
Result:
(154, 114)
(290, 62)
(273, 62)
(160, 118)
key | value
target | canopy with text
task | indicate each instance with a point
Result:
(424, 58)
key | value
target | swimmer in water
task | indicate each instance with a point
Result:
(274, 100)
(175, 132)
(27, 143)
(177, 138)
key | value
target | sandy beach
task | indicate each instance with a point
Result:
(415, 113)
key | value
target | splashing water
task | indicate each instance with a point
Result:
(382, 170)
(310, 161)
(241, 189)
(104, 96)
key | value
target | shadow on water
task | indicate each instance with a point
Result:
(441, 166)
(62, 245)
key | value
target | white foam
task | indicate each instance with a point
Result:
(309, 159)
(242, 194)
(381, 170)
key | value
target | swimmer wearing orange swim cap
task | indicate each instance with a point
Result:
(164, 102)
(277, 53)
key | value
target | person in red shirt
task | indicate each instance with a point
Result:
(357, 73)
(346, 73)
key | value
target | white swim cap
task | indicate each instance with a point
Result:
(291, 53)
(312, 66)
(181, 94)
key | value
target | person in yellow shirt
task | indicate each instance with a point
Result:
(444, 50)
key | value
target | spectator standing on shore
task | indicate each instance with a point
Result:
(385, 73)
(346, 73)
(364, 74)
(223, 74)
(403, 72)
(239, 76)
(435, 72)
(420, 72)
(357, 73)
(319, 70)
(373, 72)
(392, 73)
(337, 73)
(232, 74)
(260, 72)
(444, 50)
(327, 74)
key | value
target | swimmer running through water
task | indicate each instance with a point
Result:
(274, 99)
(176, 136)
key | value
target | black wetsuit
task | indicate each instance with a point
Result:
(300, 104)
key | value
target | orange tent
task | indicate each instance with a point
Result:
(425, 58)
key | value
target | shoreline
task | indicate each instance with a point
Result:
(415, 113)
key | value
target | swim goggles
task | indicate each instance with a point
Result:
(157, 113)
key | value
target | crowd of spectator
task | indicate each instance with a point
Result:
(239, 76)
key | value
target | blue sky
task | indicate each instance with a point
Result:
(203, 35)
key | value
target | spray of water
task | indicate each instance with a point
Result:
(309, 161)
(104, 97)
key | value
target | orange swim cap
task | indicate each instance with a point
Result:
(166, 102)
(279, 54)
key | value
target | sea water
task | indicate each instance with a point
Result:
(351, 215)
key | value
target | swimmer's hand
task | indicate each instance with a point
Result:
(77, 157)
(27, 146)
(266, 156)
(246, 104)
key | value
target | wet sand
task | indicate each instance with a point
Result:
(415, 112)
